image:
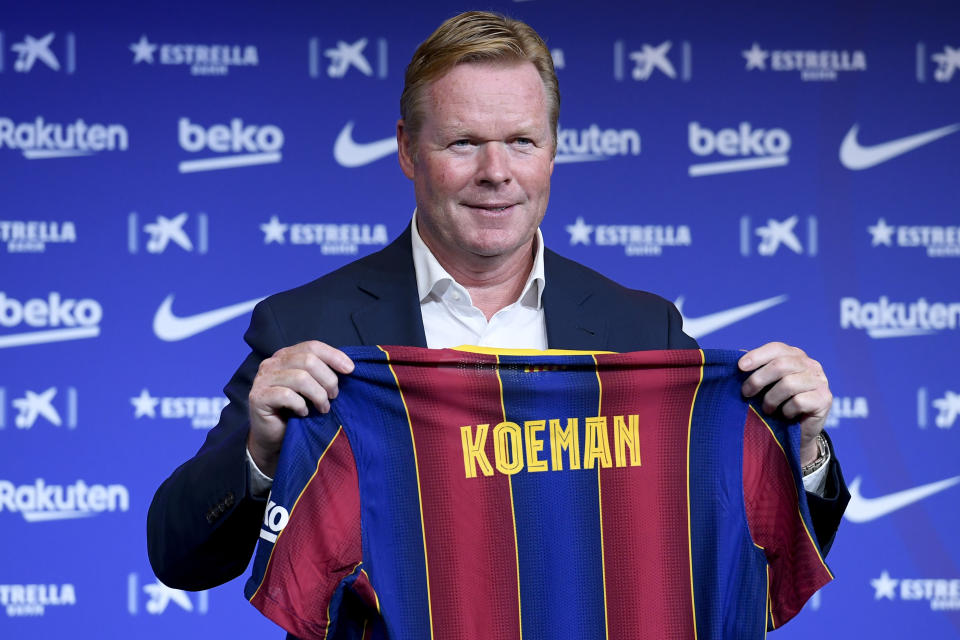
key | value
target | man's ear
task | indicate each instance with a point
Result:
(405, 150)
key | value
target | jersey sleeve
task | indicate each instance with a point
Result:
(778, 518)
(308, 560)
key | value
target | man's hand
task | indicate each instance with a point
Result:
(794, 383)
(284, 385)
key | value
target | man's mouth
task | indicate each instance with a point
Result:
(496, 207)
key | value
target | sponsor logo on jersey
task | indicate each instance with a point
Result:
(743, 149)
(170, 327)
(946, 408)
(201, 59)
(159, 597)
(332, 238)
(33, 236)
(824, 64)
(203, 413)
(54, 318)
(653, 60)
(43, 406)
(32, 600)
(697, 327)
(594, 143)
(45, 53)
(886, 319)
(237, 145)
(41, 502)
(636, 239)
(939, 241)
(275, 518)
(42, 140)
(856, 156)
(943, 594)
(337, 60)
(775, 233)
(163, 232)
(846, 408)
(946, 61)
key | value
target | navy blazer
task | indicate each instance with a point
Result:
(203, 524)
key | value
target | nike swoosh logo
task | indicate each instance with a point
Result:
(351, 154)
(863, 509)
(698, 327)
(855, 156)
(171, 328)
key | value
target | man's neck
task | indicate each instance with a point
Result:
(493, 282)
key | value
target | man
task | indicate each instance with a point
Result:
(477, 138)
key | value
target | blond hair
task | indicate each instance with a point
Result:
(476, 36)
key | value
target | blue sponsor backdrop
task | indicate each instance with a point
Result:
(163, 161)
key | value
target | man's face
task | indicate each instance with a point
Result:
(481, 162)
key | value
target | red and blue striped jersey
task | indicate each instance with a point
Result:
(454, 494)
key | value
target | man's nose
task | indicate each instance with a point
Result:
(494, 164)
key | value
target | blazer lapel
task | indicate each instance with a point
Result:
(391, 313)
(571, 321)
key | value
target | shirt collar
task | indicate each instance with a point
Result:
(433, 278)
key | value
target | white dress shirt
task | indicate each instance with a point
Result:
(451, 320)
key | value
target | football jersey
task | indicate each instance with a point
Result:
(508, 494)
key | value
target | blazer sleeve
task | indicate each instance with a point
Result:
(203, 524)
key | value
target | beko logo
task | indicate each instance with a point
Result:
(78, 319)
(748, 148)
(242, 145)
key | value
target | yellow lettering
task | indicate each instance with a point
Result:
(473, 451)
(568, 439)
(508, 447)
(534, 444)
(626, 433)
(597, 446)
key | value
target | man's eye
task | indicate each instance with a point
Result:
(523, 141)
(461, 143)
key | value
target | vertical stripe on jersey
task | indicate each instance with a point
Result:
(556, 511)
(371, 408)
(645, 507)
(721, 550)
(470, 544)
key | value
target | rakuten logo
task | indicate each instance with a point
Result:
(247, 145)
(40, 502)
(753, 148)
(885, 319)
(79, 319)
(40, 140)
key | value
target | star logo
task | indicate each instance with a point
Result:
(143, 50)
(947, 61)
(756, 57)
(34, 405)
(346, 56)
(775, 233)
(579, 232)
(161, 595)
(882, 233)
(651, 58)
(884, 586)
(274, 231)
(145, 405)
(33, 49)
(165, 230)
